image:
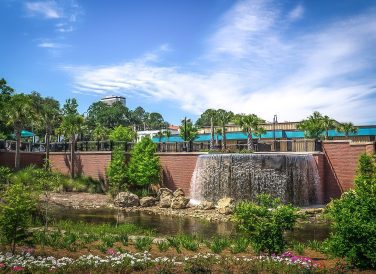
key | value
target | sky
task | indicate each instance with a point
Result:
(285, 57)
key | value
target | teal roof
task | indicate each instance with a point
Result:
(289, 134)
(25, 133)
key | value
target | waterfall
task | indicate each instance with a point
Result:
(291, 177)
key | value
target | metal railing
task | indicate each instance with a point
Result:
(303, 145)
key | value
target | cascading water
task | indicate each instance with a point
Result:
(291, 177)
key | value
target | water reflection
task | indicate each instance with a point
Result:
(172, 225)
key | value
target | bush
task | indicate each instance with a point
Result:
(117, 172)
(144, 168)
(5, 174)
(354, 218)
(265, 221)
(15, 213)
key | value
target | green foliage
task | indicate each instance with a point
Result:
(206, 117)
(100, 133)
(163, 246)
(117, 172)
(108, 116)
(265, 221)
(143, 243)
(15, 213)
(5, 174)
(187, 130)
(188, 242)
(354, 218)
(123, 134)
(218, 244)
(174, 242)
(347, 128)
(298, 247)
(239, 244)
(144, 167)
(316, 124)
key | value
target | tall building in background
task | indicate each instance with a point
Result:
(112, 99)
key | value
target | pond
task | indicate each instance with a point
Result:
(173, 225)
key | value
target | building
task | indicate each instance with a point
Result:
(113, 99)
(153, 134)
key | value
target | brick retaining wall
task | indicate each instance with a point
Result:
(337, 165)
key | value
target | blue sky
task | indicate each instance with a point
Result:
(179, 58)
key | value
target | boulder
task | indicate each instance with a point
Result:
(126, 199)
(206, 205)
(163, 192)
(147, 201)
(226, 205)
(165, 202)
(178, 192)
(179, 202)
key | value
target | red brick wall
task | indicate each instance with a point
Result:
(342, 160)
(27, 158)
(91, 164)
(178, 169)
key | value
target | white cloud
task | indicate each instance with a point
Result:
(66, 13)
(48, 9)
(51, 45)
(296, 13)
(250, 66)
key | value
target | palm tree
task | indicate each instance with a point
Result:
(168, 135)
(19, 113)
(347, 128)
(217, 133)
(328, 123)
(100, 133)
(49, 118)
(71, 125)
(224, 117)
(250, 124)
(160, 136)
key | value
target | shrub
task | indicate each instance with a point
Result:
(298, 247)
(143, 243)
(5, 174)
(144, 168)
(188, 242)
(265, 221)
(15, 213)
(240, 244)
(117, 172)
(354, 218)
(218, 244)
(163, 246)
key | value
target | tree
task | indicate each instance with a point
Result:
(48, 118)
(19, 113)
(70, 127)
(15, 213)
(100, 133)
(108, 116)
(313, 126)
(347, 128)
(209, 117)
(117, 172)
(168, 135)
(250, 124)
(122, 134)
(224, 117)
(187, 130)
(139, 117)
(218, 131)
(144, 167)
(328, 123)
(160, 136)
(155, 121)
(5, 93)
(354, 218)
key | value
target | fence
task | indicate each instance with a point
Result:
(303, 145)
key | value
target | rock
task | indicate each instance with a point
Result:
(226, 205)
(126, 199)
(165, 202)
(179, 202)
(206, 205)
(164, 191)
(178, 192)
(147, 201)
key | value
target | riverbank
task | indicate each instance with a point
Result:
(81, 200)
